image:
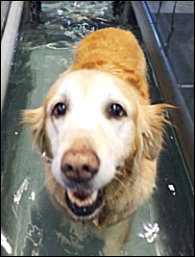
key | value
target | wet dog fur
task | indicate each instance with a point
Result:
(108, 114)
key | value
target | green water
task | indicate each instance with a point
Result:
(31, 224)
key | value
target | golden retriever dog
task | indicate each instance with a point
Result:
(98, 131)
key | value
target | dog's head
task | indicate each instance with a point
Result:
(90, 124)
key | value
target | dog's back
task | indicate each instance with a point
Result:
(115, 51)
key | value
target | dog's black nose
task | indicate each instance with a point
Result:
(80, 165)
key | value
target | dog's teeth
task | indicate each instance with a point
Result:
(82, 203)
(94, 195)
(71, 196)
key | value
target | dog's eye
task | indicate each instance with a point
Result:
(116, 111)
(59, 109)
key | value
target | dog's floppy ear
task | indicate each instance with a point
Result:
(34, 118)
(152, 129)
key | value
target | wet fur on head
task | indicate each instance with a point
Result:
(124, 64)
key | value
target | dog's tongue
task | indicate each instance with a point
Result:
(84, 203)
(82, 195)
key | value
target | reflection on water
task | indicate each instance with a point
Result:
(31, 224)
(150, 232)
(5, 244)
(22, 188)
(172, 189)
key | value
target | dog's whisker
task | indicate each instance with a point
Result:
(143, 181)
(46, 158)
(128, 169)
(124, 187)
(121, 173)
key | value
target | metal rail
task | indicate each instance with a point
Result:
(8, 42)
(184, 127)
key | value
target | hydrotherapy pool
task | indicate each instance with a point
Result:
(31, 225)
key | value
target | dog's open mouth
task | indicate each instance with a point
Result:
(84, 204)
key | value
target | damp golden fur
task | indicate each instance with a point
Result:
(111, 56)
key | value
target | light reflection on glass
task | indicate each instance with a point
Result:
(5, 244)
(150, 232)
(20, 191)
(172, 189)
(32, 196)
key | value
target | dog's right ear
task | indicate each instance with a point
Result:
(34, 118)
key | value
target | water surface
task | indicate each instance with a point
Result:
(31, 224)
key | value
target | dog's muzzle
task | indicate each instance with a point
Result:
(79, 166)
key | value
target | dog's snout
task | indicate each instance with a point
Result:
(80, 165)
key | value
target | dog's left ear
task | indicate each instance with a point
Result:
(152, 122)
(34, 118)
